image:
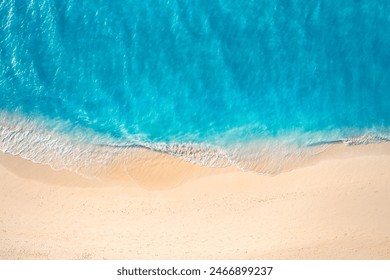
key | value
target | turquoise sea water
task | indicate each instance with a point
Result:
(212, 78)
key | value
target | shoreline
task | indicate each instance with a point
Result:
(335, 207)
(91, 158)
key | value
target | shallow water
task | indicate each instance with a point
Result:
(214, 82)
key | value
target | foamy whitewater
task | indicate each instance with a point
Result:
(255, 84)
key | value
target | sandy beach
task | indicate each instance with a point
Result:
(336, 207)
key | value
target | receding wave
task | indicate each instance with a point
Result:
(90, 153)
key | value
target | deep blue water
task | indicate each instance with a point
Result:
(213, 72)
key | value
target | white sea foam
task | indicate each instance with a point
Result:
(88, 153)
(85, 151)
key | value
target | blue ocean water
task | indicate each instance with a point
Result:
(217, 74)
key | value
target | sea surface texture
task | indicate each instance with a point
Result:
(250, 83)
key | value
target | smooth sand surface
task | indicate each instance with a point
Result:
(337, 207)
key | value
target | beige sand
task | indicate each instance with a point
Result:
(334, 208)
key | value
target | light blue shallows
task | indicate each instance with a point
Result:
(215, 73)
